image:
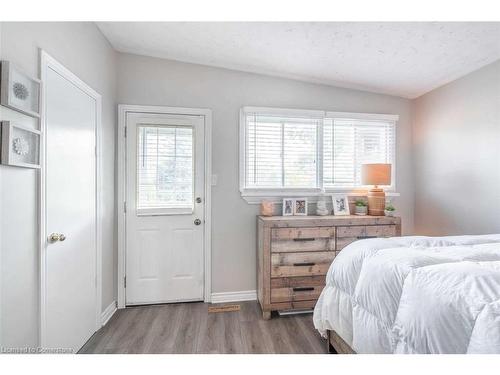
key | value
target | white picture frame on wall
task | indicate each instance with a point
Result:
(340, 205)
(20, 146)
(19, 91)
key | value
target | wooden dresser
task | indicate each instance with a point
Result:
(295, 252)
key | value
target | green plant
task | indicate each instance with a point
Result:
(361, 203)
(390, 207)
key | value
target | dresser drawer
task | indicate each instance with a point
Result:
(291, 282)
(301, 264)
(302, 293)
(309, 304)
(302, 239)
(347, 235)
(381, 231)
(291, 289)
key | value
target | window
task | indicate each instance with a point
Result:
(310, 151)
(348, 143)
(281, 152)
(164, 168)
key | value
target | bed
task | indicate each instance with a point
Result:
(413, 295)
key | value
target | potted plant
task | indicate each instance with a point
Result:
(389, 210)
(361, 207)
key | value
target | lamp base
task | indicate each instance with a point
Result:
(376, 202)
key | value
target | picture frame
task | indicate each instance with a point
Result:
(18, 90)
(288, 205)
(340, 205)
(20, 146)
(300, 207)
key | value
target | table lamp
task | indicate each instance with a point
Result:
(376, 174)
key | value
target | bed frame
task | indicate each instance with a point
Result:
(336, 345)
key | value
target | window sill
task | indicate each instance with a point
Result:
(164, 211)
(313, 195)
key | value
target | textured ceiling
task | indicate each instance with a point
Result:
(403, 59)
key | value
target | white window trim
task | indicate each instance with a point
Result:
(165, 211)
(256, 195)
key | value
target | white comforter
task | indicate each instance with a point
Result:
(415, 295)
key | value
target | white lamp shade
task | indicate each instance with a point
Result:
(376, 174)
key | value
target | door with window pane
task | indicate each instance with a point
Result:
(165, 203)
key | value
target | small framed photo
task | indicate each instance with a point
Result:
(340, 205)
(287, 207)
(300, 207)
(20, 146)
(19, 91)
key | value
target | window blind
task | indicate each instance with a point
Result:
(281, 152)
(164, 167)
(289, 152)
(349, 143)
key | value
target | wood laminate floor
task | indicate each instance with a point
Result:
(189, 328)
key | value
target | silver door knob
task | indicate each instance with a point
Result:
(54, 237)
(197, 222)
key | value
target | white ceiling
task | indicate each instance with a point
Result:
(403, 59)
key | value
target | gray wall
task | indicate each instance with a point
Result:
(82, 48)
(150, 81)
(456, 137)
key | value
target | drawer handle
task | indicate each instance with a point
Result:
(302, 289)
(304, 239)
(362, 237)
(304, 264)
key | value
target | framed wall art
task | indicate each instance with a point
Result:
(19, 91)
(20, 146)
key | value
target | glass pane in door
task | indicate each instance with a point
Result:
(165, 173)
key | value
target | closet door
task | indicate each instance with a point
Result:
(69, 284)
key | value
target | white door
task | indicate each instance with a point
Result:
(164, 208)
(70, 293)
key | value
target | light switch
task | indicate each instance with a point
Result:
(214, 179)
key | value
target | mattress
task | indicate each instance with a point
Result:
(415, 295)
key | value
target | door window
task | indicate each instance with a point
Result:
(165, 182)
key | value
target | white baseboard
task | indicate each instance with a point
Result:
(244, 295)
(108, 313)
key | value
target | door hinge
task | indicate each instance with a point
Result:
(125, 207)
(125, 281)
(125, 132)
